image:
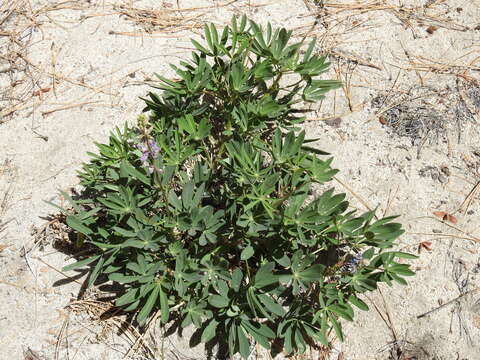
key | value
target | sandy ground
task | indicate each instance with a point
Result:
(404, 132)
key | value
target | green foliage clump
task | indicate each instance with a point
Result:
(206, 209)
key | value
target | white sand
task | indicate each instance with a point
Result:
(87, 53)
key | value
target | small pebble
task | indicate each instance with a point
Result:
(442, 178)
(334, 122)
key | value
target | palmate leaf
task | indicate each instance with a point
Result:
(292, 332)
(329, 204)
(237, 339)
(268, 107)
(169, 85)
(260, 332)
(200, 47)
(309, 51)
(72, 202)
(237, 278)
(315, 334)
(313, 67)
(316, 90)
(238, 78)
(174, 200)
(265, 276)
(195, 313)
(313, 273)
(286, 147)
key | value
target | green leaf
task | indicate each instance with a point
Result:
(317, 88)
(174, 200)
(289, 340)
(313, 273)
(127, 298)
(122, 279)
(316, 334)
(210, 331)
(247, 253)
(264, 276)
(218, 301)
(358, 303)
(147, 308)
(127, 169)
(163, 305)
(208, 37)
(237, 277)
(81, 263)
(405, 255)
(401, 269)
(260, 332)
(341, 311)
(95, 272)
(123, 232)
(187, 195)
(271, 305)
(399, 279)
(200, 47)
(336, 326)
(283, 260)
(133, 306)
(62, 210)
(76, 224)
(368, 254)
(243, 343)
(232, 338)
(309, 51)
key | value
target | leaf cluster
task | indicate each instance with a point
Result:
(221, 226)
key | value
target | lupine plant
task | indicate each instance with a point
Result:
(209, 210)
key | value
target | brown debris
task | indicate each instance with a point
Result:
(445, 216)
(427, 245)
(431, 29)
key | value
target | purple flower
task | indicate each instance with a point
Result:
(154, 147)
(149, 150)
(352, 264)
